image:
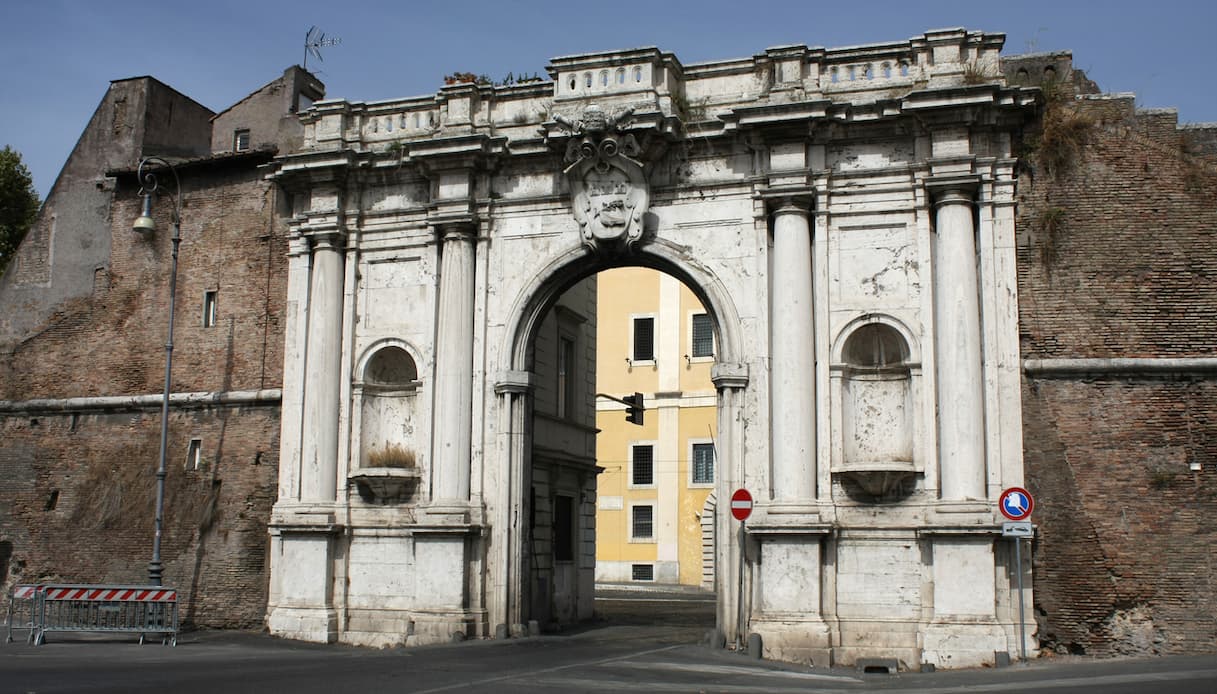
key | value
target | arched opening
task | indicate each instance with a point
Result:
(607, 504)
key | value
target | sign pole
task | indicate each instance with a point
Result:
(1018, 566)
(1016, 504)
(739, 593)
(741, 508)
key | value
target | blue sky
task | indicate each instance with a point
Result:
(58, 56)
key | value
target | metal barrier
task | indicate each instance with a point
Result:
(22, 609)
(142, 610)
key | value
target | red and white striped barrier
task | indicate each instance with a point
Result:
(121, 594)
(24, 592)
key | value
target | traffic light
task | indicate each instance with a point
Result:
(633, 408)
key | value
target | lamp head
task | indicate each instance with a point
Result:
(144, 224)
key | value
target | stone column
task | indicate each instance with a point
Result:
(322, 373)
(792, 356)
(961, 444)
(453, 411)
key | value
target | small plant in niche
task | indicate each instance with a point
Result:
(391, 456)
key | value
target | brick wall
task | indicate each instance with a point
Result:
(76, 487)
(77, 503)
(1117, 258)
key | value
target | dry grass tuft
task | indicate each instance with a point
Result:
(392, 455)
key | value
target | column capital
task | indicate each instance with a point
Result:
(727, 376)
(331, 239)
(953, 190)
(462, 230)
(798, 200)
(514, 382)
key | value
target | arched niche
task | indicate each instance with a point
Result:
(391, 451)
(876, 375)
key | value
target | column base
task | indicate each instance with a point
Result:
(962, 644)
(795, 639)
(446, 626)
(859, 639)
(315, 624)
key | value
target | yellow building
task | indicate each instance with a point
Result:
(655, 499)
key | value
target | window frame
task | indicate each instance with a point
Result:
(237, 134)
(194, 454)
(639, 539)
(211, 299)
(692, 322)
(630, 457)
(633, 345)
(692, 477)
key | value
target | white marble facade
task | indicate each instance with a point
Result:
(846, 217)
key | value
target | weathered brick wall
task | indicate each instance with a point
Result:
(231, 243)
(76, 488)
(1117, 258)
(77, 498)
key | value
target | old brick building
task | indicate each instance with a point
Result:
(1117, 326)
(82, 334)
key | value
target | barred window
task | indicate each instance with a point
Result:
(703, 463)
(642, 465)
(703, 336)
(642, 525)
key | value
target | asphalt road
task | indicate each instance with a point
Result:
(641, 645)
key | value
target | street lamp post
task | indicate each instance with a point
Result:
(144, 224)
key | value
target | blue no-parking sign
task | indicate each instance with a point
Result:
(1016, 503)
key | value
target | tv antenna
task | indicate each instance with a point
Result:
(314, 41)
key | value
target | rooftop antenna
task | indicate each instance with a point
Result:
(314, 41)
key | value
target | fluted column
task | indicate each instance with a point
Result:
(453, 419)
(322, 375)
(792, 356)
(961, 446)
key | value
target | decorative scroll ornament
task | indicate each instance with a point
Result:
(608, 187)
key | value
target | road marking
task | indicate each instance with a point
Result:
(533, 673)
(742, 670)
(1079, 681)
(584, 684)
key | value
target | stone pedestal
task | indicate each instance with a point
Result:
(964, 631)
(300, 604)
(787, 598)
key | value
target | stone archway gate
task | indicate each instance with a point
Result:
(803, 194)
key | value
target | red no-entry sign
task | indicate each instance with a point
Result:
(741, 505)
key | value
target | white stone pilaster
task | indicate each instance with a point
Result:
(453, 410)
(322, 374)
(792, 356)
(961, 447)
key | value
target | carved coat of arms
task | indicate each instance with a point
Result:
(608, 186)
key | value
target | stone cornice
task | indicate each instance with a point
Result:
(298, 172)
(123, 403)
